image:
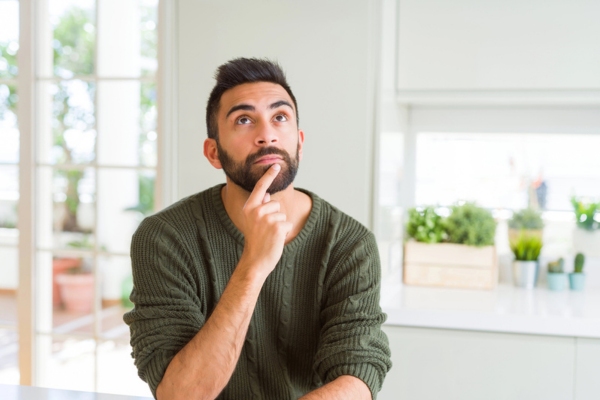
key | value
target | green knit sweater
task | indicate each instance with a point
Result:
(317, 316)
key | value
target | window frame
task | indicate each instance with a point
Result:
(29, 12)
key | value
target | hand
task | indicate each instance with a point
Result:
(265, 227)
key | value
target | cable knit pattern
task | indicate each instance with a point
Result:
(317, 316)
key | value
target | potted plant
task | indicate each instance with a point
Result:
(425, 225)
(471, 225)
(77, 289)
(557, 279)
(586, 236)
(577, 277)
(527, 219)
(457, 251)
(76, 284)
(526, 249)
(61, 265)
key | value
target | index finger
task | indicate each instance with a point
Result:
(261, 187)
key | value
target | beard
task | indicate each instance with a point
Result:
(245, 174)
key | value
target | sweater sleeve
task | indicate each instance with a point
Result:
(167, 312)
(352, 342)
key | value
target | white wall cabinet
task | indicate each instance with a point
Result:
(464, 365)
(498, 45)
(587, 382)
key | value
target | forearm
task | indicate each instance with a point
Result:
(345, 387)
(204, 366)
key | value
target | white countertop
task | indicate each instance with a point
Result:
(504, 309)
(15, 392)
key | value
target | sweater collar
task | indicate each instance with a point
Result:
(235, 233)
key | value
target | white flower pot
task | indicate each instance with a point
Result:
(525, 273)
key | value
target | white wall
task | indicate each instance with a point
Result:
(328, 50)
(499, 44)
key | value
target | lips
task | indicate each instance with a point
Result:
(266, 156)
(271, 158)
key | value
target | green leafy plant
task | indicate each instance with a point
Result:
(556, 267)
(526, 247)
(527, 218)
(471, 225)
(579, 261)
(425, 225)
(585, 212)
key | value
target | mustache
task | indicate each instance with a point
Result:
(265, 151)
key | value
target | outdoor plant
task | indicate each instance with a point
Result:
(425, 225)
(471, 225)
(579, 261)
(528, 218)
(585, 212)
(526, 247)
(556, 267)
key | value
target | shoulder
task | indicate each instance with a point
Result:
(342, 232)
(178, 217)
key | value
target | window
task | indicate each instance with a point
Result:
(95, 160)
(507, 170)
(503, 158)
(9, 190)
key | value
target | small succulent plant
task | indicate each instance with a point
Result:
(579, 261)
(556, 267)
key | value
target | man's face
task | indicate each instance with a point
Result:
(257, 128)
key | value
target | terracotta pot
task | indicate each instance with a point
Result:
(60, 266)
(77, 291)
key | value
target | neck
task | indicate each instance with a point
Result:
(234, 197)
(294, 204)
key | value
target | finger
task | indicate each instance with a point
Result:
(287, 227)
(266, 208)
(276, 217)
(260, 189)
(267, 198)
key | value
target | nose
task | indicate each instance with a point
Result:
(266, 135)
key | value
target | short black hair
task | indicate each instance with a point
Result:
(237, 72)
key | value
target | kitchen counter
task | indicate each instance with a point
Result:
(505, 309)
(15, 392)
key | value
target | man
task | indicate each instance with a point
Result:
(254, 289)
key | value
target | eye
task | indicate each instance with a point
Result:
(243, 120)
(281, 118)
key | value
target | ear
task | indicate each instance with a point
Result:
(300, 143)
(211, 152)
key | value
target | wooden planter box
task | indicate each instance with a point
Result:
(450, 265)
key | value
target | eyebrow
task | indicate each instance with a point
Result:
(248, 107)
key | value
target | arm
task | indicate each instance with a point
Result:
(352, 343)
(205, 364)
(345, 387)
